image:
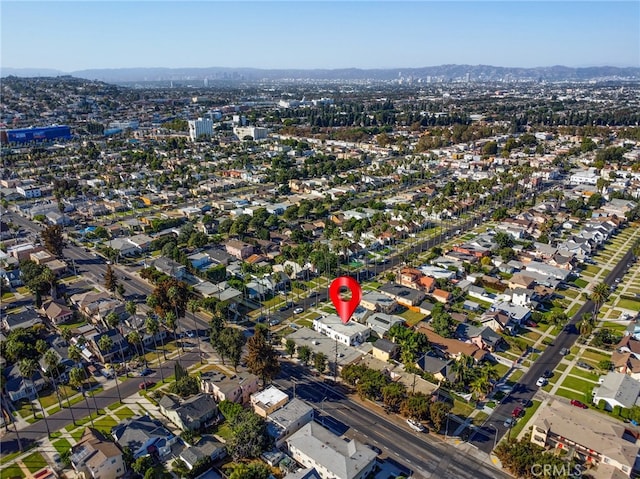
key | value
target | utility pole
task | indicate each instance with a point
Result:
(335, 363)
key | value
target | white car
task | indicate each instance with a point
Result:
(298, 310)
(541, 382)
(415, 425)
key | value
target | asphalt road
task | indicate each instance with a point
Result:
(425, 457)
(526, 388)
(59, 420)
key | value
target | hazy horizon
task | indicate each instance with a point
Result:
(72, 36)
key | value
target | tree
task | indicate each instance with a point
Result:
(171, 295)
(320, 362)
(51, 360)
(252, 470)
(28, 368)
(415, 406)
(503, 240)
(393, 394)
(230, 410)
(480, 386)
(250, 436)
(76, 379)
(135, 339)
(262, 359)
(105, 343)
(290, 347)
(153, 328)
(230, 344)
(172, 323)
(304, 354)
(439, 411)
(53, 240)
(110, 279)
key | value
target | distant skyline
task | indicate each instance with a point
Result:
(78, 35)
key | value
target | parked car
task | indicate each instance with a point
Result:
(274, 322)
(547, 373)
(541, 382)
(583, 365)
(146, 384)
(517, 412)
(580, 404)
(532, 324)
(564, 351)
(145, 372)
(415, 425)
(298, 310)
(525, 402)
(510, 422)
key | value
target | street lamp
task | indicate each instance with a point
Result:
(495, 437)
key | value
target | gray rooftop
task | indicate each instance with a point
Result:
(620, 387)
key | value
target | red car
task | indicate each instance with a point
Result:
(517, 412)
(146, 385)
(576, 403)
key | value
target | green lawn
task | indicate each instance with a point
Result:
(565, 393)
(461, 409)
(515, 377)
(124, 413)
(61, 445)
(412, 317)
(105, 423)
(594, 355)
(580, 283)
(34, 462)
(578, 384)
(629, 304)
(11, 472)
(480, 418)
(584, 374)
(224, 431)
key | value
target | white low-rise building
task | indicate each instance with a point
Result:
(351, 333)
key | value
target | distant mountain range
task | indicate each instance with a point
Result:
(437, 73)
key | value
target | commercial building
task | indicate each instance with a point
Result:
(608, 445)
(200, 127)
(36, 135)
(254, 132)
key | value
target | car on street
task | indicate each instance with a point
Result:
(145, 372)
(580, 404)
(146, 384)
(274, 322)
(298, 310)
(415, 425)
(510, 422)
(547, 373)
(525, 402)
(517, 412)
(541, 382)
(564, 351)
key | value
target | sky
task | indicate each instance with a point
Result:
(76, 35)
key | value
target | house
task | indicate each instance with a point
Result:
(144, 436)
(384, 350)
(410, 277)
(119, 345)
(381, 323)
(57, 312)
(288, 419)
(617, 389)
(96, 457)
(237, 388)
(351, 333)
(170, 267)
(207, 446)
(484, 337)
(521, 280)
(267, 401)
(25, 318)
(403, 295)
(449, 347)
(499, 322)
(441, 295)
(239, 249)
(592, 438)
(519, 314)
(319, 343)
(438, 367)
(332, 456)
(18, 387)
(190, 414)
(141, 241)
(374, 301)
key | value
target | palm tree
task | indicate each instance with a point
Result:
(76, 379)
(131, 308)
(28, 368)
(194, 307)
(587, 324)
(171, 321)
(136, 341)
(52, 362)
(173, 294)
(491, 373)
(153, 327)
(113, 320)
(106, 344)
(599, 295)
(480, 386)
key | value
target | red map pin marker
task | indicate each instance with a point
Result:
(345, 308)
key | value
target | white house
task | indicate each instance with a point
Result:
(617, 389)
(351, 334)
